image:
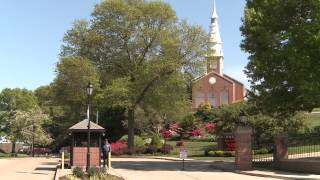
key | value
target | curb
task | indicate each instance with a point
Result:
(272, 176)
(56, 174)
(161, 158)
(169, 159)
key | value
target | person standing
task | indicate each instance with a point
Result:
(105, 151)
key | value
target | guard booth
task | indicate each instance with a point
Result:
(78, 151)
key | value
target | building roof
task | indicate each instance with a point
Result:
(223, 77)
(83, 126)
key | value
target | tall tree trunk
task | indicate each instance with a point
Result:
(13, 148)
(131, 131)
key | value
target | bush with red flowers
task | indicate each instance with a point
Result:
(119, 147)
(179, 143)
(196, 132)
(166, 133)
(210, 127)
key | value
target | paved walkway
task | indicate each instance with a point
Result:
(27, 168)
(158, 169)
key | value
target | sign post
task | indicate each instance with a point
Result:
(183, 155)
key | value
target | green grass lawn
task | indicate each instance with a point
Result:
(303, 149)
(8, 155)
(316, 109)
(196, 151)
(313, 119)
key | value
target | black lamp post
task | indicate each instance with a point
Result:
(89, 93)
(243, 120)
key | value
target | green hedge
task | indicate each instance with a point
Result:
(221, 153)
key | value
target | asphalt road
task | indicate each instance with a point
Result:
(27, 168)
(156, 169)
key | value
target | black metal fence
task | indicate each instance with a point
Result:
(304, 147)
(262, 152)
(299, 147)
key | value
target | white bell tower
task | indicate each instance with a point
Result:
(215, 59)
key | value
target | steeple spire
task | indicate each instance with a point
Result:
(214, 28)
(214, 13)
(215, 61)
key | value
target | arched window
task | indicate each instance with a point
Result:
(211, 98)
(199, 98)
(224, 97)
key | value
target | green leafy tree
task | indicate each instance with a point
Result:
(265, 126)
(27, 126)
(68, 95)
(142, 53)
(282, 39)
(69, 87)
(17, 99)
(34, 130)
(12, 100)
(58, 113)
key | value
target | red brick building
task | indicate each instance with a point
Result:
(214, 86)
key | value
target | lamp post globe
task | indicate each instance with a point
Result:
(243, 118)
(89, 89)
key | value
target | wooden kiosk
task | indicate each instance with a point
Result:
(78, 151)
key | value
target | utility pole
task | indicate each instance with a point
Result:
(97, 118)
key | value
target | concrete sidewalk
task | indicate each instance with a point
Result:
(160, 169)
(279, 174)
(230, 167)
(27, 168)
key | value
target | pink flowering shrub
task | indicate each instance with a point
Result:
(196, 132)
(166, 133)
(210, 127)
(119, 147)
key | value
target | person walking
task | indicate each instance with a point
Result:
(105, 151)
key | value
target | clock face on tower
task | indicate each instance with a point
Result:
(212, 80)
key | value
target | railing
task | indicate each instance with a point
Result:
(303, 147)
(262, 153)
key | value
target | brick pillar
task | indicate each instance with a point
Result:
(280, 150)
(243, 138)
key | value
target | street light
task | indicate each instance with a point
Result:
(243, 118)
(89, 93)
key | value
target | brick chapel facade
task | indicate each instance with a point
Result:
(214, 86)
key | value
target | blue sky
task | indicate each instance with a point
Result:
(32, 30)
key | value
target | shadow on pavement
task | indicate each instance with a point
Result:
(49, 163)
(45, 169)
(22, 172)
(173, 166)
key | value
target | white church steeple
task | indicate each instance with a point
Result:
(215, 60)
